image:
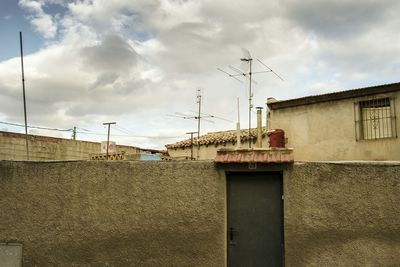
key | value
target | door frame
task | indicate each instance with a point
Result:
(275, 170)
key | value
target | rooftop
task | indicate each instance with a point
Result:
(255, 155)
(308, 100)
(216, 138)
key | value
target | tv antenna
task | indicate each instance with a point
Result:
(199, 116)
(248, 61)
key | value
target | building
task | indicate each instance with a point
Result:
(359, 124)
(13, 147)
(247, 207)
(210, 143)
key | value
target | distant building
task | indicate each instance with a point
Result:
(210, 143)
(12, 147)
(359, 124)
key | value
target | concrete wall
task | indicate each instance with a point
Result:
(116, 213)
(326, 131)
(173, 213)
(342, 214)
(12, 147)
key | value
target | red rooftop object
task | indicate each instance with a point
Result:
(276, 138)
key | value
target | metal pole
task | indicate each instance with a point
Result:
(23, 94)
(74, 133)
(108, 136)
(108, 140)
(198, 123)
(250, 105)
(191, 144)
(259, 127)
(238, 126)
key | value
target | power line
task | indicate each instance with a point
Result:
(36, 127)
(133, 136)
(90, 132)
(122, 130)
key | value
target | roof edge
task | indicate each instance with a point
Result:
(44, 138)
(359, 92)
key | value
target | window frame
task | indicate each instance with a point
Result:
(375, 103)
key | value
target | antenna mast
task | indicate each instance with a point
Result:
(198, 115)
(23, 94)
(249, 60)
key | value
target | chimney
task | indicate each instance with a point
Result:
(238, 135)
(238, 132)
(259, 127)
(270, 100)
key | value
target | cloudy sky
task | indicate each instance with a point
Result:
(139, 62)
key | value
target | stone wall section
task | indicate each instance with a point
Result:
(13, 147)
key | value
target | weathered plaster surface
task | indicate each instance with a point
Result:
(344, 214)
(91, 213)
(114, 213)
(327, 131)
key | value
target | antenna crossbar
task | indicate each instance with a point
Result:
(249, 60)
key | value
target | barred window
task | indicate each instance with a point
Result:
(375, 119)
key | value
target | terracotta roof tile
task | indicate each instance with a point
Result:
(271, 155)
(218, 138)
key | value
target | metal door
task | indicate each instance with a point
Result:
(255, 219)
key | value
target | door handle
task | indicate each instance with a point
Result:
(232, 232)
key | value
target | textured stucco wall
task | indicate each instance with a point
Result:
(115, 213)
(90, 213)
(342, 214)
(13, 147)
(326, 131)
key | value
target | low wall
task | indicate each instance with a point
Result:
(13, 147)
(114, 213)
(90, 213)
(343, 214)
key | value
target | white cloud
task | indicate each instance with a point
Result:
(43, 23)
(135, 62)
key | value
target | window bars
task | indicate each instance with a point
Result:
(375, 119)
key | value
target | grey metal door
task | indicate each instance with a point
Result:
(255, 219)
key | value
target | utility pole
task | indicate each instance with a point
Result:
(198, 122)
(108, 135)
(191, 144)
(23, 95)
(74, 133)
